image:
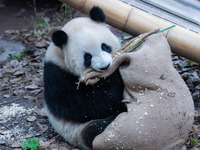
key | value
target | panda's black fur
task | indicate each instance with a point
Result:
(96, 104)
(97, 14)
(86, 103)
(59, 38)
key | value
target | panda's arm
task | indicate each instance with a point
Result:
(87, 103)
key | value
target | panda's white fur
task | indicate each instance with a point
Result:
(68, 130)
(80, 115)
(83, 29)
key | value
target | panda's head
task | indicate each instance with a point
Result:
(83, 43)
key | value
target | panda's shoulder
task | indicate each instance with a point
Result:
(55, 73)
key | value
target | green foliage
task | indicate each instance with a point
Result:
(38, 23)
(30, 144)
(191, 63)
(38, 20)
(35, 73)
(166, 29)
(18, 57)
(194, 142)
(126, 37)
(34, 6)
(64, 11)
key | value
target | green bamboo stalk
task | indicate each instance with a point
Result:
(144, 40)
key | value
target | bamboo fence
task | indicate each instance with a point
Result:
(134, 21)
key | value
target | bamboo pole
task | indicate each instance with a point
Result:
(134, 21)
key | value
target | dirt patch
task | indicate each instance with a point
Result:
(21, 78)
(16, 15)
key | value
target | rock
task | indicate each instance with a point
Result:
(14, 63)
(15, 80)
(198, 87)
(18, 92)
(44, 144)
(41, 44)
(196, 95)
(195, 149)
(31, 118)
(7, 48)
(31, 87)
(42, 112)
(29, 97)
(35, 92)
(18, 73)
(6, 95)
(2, 120)
(53, 147)
(16, 145)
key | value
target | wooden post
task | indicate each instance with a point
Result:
(134, 21)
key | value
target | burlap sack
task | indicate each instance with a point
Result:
(160, 107)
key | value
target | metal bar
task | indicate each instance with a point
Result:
(171, 11)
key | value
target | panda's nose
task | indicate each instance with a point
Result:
(104, 68)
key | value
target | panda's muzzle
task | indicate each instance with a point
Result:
(106, 67)
(102, 61)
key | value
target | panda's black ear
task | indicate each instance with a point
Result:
(59, 38)
(97, 14)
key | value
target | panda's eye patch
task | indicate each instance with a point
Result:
(87, 59)
(106, 48)
(88, 56)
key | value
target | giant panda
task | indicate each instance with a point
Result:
(79, 115)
